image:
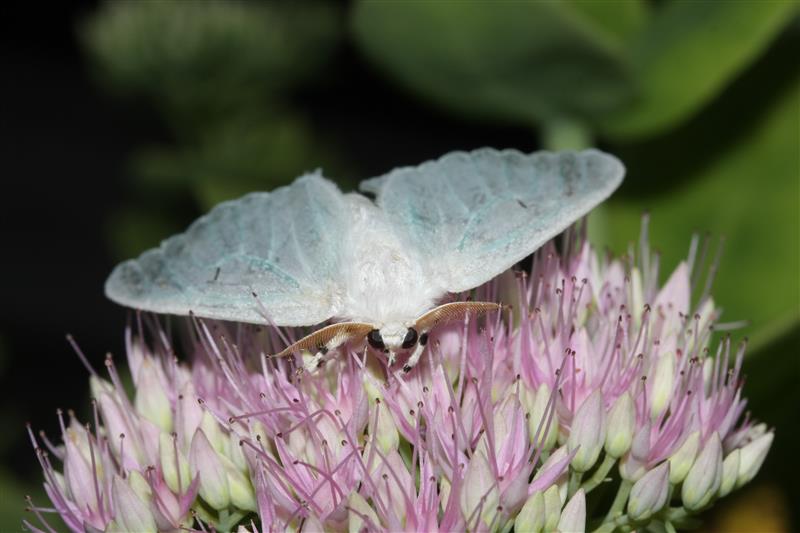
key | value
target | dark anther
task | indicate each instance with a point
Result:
(410, 339)
(375, 340)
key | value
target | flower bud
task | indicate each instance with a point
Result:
(588, 432)
(752, 456)
(621, 425)
(552, 508)
(573, 517)
(663, 380)
(682, 460)
(98, 386)
(234, 451)
(730, 472)
(536, 405)
(705, 476)
(633, 465)
(188, 414)
(78, 473)
(649, 494)
(385, 431)
(479, 491)
(131, 513)
(140, 485)
(359, 509)
(243, 495)
(207, 466)
(531, 516)
(151, 399)
(213, 432)
(174, 465)
(312, 525)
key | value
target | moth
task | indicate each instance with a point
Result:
(377, 267)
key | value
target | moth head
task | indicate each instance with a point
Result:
(392, 338)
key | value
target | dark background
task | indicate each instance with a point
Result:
(69, 184)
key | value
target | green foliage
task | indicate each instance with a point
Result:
(524, 62)
(748, 194)
(222, 74)
(203, 59)
(687, 55)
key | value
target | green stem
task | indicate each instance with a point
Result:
(619, 500)
(574, 482)
(228, 521)
(621, 522)
(600, 474)
(565, 134)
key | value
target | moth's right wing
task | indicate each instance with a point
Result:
(472, 215)
(283, 245)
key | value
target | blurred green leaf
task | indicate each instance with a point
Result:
(621, 19)
(134, 230)
(198, 58)
(750, 194)
(239, 156)
(688, 54)
(13, 504)
(521, 61)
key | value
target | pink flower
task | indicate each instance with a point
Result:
(510, 419)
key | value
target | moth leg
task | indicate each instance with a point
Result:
(417, 353)
(318, 359)
(392, 357)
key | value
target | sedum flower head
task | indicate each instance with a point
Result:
(596, 378)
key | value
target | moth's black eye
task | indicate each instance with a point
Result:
(375, 340)
(411, 338)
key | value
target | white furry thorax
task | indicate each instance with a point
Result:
(386, 282)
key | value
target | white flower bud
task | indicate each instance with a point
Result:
(536, 405)
(752, 456)
(705, 476)
(531, 517)
(140, 485)
(552, 508)
(131, 515)
(386, 432)
(207, 465)
(730, 472)
(173, 464)
(479, 491)
(359, 508)
(621, 425)
(151, 399)
(649, 494)
(588, 432)
(573, 517)
(213, 432)
(663, 381)
(243, 496)
(682, 460)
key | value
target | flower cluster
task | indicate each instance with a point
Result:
(596, 385)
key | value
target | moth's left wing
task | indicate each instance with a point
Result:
(472, 215)
(284, 245)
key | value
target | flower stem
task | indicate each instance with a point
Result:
(600, 474)
(574, 482)
(619, 500)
